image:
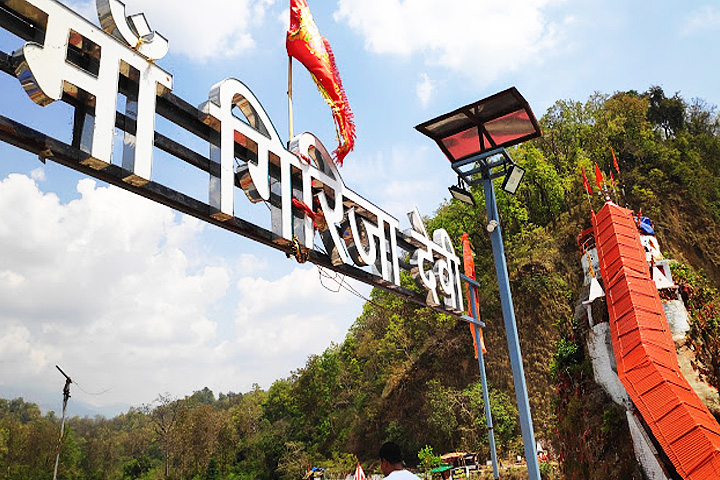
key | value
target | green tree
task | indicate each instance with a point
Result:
(197, 431)
(667, 113)
(164, 417)
(293, 463)
(213, 470)
(136, 468)
(98, 447)
(703, 338)
(428, 459)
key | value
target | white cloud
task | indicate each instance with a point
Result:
(424, 89)
(15, 344)
(479, 38)
(249, 264)
(404, 178)
(706, 17)
(38, 174)
(111, 287)
(278, 324)
(284, 18)
(214, 29)
(85, 9)
(103, 287)
(280, 302)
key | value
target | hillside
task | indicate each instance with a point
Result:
(407, 373)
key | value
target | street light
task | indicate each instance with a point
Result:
(474, 139)
(513, 179)
(461, 193)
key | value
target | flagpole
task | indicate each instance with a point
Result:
(620, 182)
(290, 105)
(588, 190)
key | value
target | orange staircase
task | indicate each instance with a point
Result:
(645, 352)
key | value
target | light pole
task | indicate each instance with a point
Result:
(474, 138)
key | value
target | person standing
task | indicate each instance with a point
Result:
(391, 463)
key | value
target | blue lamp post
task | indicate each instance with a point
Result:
(474, 138)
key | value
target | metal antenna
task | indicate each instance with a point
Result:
(66, 396)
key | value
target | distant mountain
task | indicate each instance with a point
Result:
(52, 401)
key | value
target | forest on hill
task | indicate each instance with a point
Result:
(408, 374)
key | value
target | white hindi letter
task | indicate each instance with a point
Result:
(46, 72)
(133, 30)
(223, 97)
(443, 272)
(447, 270)
(323, 176)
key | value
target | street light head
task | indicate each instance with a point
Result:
(498, 121)
(513, 179)
(461, 194)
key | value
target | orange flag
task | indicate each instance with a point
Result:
(305, 43)
(469, 266)
(468, 262)
(599, 179)
(615, 164)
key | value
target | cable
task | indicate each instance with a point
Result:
(90, 393)
(343, 284)
(321, 274)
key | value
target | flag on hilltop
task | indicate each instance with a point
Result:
(586, 184)
(599, 179)
(305, 43)
(615, 164)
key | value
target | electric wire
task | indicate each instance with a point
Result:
(341, 281)
(103, 392)
(322, 274)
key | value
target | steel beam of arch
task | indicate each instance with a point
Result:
(49, 148)
(186, 116)
(508, 311)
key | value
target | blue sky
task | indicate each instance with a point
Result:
(134, 300)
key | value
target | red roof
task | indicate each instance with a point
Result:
(645, 352)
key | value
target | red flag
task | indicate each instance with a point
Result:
(586, 184)
(303, 206)
(359, 474)
(468, 262)
(599, 179)
(318, 217)
(612, 177)
(305, 43)
(615, 164)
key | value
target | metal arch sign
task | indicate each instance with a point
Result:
(65, 57)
